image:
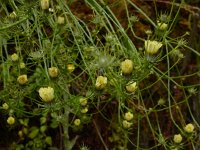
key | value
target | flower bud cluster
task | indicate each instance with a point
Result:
(84, 107)
(189, 129)
(128, 116)
(127, 68)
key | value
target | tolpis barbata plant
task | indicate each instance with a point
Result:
(106, 74)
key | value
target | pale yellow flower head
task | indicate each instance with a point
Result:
(14, 57)
(53, 72)
(70, 67)
(131, 87)
(128, 116)
(189, 128)
(101, 82)
(126, 124)
(152, 47)
(47, 94)
(22, 79)
(178, 138)
(5, 106)
(77, 122)
(11, 120)
(127, 66)
(44, 4)
(83, 101)
(60, 20)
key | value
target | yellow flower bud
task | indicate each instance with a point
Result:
(25, 130)
(14, 57)
(5, 106)
(128, 116)
(177, 138)
(22, 79)
(20, 133)
(101, 82)
(84, 110)
(152, 47)
(53, 72)
(51, 10)
(127, 66)
(47, 94)
(22, 65)
(13, 15)
(70, 67)
(126, 124)
(148, 32)
(162, 26)
(11, 120)
(83, 101)
(77, 122)
(161, 101)
(131, 87)
(60, 20)
(44, 4)
(189, 128)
